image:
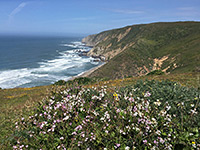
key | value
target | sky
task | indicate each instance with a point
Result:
(83, 17)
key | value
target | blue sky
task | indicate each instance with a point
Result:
(63, 17)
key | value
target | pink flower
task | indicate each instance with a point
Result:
(155, 142)
(118, 145)
(14, 147)
(144, 141)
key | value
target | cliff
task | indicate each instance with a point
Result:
(139, 49)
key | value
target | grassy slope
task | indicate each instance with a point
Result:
(14, 103)
(180, 41)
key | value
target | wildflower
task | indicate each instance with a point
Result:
(79, 127)
(66, 118)
(193, 111)
(127, 148)
(193, 142)
(49, 117)
(147, 94)
(115, 95)
(144, 141)
(14, 147)
(131, 99)
(158, 103)
(155, 142)
(61, 138)
(118, 145)
(168, 108)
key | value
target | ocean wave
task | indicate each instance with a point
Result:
(65, 65)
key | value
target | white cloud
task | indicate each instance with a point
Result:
(17, 10)
(186, 8)
(188, 12)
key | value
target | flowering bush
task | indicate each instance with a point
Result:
(149, 115)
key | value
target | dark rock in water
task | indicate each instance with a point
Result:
(83, 53)
(78, 51)
(101, 58)
(67, 53)
(97, 60)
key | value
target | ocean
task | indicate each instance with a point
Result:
(27, 61)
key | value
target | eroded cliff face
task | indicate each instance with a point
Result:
(90, 40)
(93, 40)
(106, 45)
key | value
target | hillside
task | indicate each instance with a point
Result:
(130, 113)
(139, 49)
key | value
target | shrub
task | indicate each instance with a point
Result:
(156, 72)
(60, 82)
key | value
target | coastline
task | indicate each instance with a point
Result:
(87, 73)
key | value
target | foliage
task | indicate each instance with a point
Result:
(156, 72)
(148, 115)
(60, 82)
(79, 81)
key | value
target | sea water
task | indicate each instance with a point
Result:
(27, 61)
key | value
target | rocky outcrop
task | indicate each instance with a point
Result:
(104, 44)
(93, 40)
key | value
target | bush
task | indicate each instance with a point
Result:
(60, 82)
(148, 115)
(156, 72)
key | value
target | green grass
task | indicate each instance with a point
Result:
(180, 41)
(17, 102)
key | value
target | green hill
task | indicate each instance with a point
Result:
(139, 49)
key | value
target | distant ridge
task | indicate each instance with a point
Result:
(173, 47)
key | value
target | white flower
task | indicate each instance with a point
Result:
(58, 147)
(135, 114)
(194, 111)
(192, 105)
(158, 103)
(66, 118)
(127, 148)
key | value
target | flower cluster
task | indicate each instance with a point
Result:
(96, 119)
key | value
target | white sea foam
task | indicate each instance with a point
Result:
(48, 71)
(14, 78)
(74, 45)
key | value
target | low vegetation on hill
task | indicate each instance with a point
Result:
(130, 113)
(139, 49)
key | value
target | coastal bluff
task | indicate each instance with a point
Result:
(173, 47)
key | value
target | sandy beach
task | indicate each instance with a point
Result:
(87, 73)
